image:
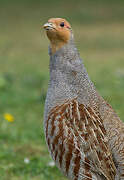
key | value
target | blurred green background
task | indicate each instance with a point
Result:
(99, 34)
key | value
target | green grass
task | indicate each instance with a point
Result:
(98, 28)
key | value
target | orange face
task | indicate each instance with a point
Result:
(58, 31)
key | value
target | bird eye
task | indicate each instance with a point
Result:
(62, 24)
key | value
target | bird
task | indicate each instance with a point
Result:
(84, 135)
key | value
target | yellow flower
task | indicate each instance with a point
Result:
(8, 117)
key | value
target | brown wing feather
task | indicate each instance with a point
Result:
(92, 139)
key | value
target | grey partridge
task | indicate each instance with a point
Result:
(84, 135)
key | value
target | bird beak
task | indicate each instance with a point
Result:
(48, 26)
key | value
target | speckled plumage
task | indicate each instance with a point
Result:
(84, 135)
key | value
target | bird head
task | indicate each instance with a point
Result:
(58, 31)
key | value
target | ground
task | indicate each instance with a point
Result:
(98, 27)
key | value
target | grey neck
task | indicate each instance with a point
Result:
(67, 53)
(68, 77)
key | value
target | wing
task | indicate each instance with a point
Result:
(88, 130)
(80, 133)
